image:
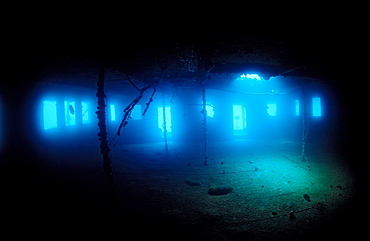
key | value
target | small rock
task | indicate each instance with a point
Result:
(191, 183)
(219, 190)
(305, 196)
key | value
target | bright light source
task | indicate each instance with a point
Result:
(161, 120)
(271, 109)
(316, 106)
(85, 112)
(69, 109)
(50, 114)
(209, 109)
(112, 113)
(251, 76)
(297, 107)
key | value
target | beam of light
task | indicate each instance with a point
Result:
(50, 114)
(316, 106)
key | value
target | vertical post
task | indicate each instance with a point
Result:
(103, 136)
(304, 124)
(204, 112)
(165, 125)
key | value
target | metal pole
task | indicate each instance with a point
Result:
(164, 125)
(304, 124)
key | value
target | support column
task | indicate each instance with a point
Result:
(304, 124)
(165, 125)
(204, 112)
(103, 136)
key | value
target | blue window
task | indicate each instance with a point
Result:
(316, 106)
(50, 114)
(85, 112)
(70, 115)
(239, 119)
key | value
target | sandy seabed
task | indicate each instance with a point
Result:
(275, 196)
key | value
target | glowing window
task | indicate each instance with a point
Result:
(239, 119)
(85, 112)
(209, 109)
(112, 113)
(69, 108)
(297, 107)
(271, 109)
(136, 113)
(316, 106)
(161, 121)
(50, 114)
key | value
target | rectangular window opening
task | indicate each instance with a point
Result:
(50, 114)
(70, 115)
(316, 106)
(85, 112)
(239, 119)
